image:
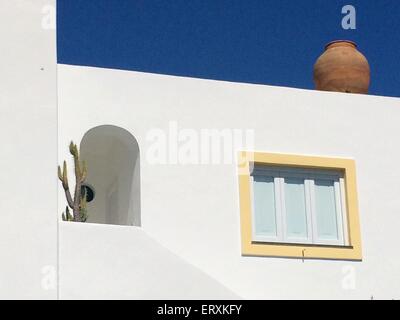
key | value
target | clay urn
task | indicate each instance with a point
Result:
(342, 68)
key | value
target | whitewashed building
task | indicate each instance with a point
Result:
(202, 189)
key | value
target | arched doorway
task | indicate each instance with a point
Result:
(113, 162)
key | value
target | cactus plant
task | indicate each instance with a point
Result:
(78, 202)
(67, 216)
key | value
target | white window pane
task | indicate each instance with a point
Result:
(264, 206)
(325, 205)
(296, 216)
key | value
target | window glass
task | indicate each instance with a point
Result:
(296, 215)
(325, 204)
(264, 206)
(294, 205)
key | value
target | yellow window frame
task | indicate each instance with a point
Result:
(250, 248)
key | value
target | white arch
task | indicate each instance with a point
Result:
(113, 161)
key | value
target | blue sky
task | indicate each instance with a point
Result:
(273, 42)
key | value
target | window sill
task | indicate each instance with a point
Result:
(301, 251)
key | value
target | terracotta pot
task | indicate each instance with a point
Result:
(342, 68)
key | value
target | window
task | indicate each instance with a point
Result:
(298, 206)
(291, 205)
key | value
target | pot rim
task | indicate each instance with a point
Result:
(339, 41)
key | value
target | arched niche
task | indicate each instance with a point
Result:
(113, 161)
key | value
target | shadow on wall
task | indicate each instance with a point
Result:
(113, 161)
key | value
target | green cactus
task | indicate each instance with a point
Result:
(83, 208)
(67, 216)
(78, 202)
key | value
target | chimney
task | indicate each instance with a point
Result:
(342, 68)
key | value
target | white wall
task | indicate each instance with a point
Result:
(193, 210)
(119, 262)
(28, 139)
